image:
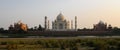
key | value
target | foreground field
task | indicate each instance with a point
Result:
(68, 43)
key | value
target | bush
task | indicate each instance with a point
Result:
(3, 43)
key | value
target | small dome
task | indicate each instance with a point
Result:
(101, 22)
(60, 17)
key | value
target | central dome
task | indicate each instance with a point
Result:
(60, 17)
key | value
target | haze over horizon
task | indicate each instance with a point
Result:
(32, 12)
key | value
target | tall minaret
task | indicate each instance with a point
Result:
(71, 24)
(45, 22)
(75, 22)
(48, 24)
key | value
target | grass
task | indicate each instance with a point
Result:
(69, 43)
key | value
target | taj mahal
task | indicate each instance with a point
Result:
(61, 24)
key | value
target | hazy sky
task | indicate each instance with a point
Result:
(32, 12)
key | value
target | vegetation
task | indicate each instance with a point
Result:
(61, 44)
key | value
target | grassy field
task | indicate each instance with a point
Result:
(68, 43)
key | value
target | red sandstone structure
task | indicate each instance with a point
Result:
(18, 26)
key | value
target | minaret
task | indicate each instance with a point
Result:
(75, 22)
(48, 24)
(71, 24)
(45, 22)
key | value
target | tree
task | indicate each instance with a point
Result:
(40, 28)
(1, 29)
(35, 28)
(116, 30)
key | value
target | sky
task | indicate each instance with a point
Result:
(32, 12)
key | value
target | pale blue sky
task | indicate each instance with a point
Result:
(32, 12)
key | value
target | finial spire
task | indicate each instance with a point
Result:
(60, 11)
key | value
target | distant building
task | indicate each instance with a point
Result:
(60, 24)
(18, 26)
(101, 26)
